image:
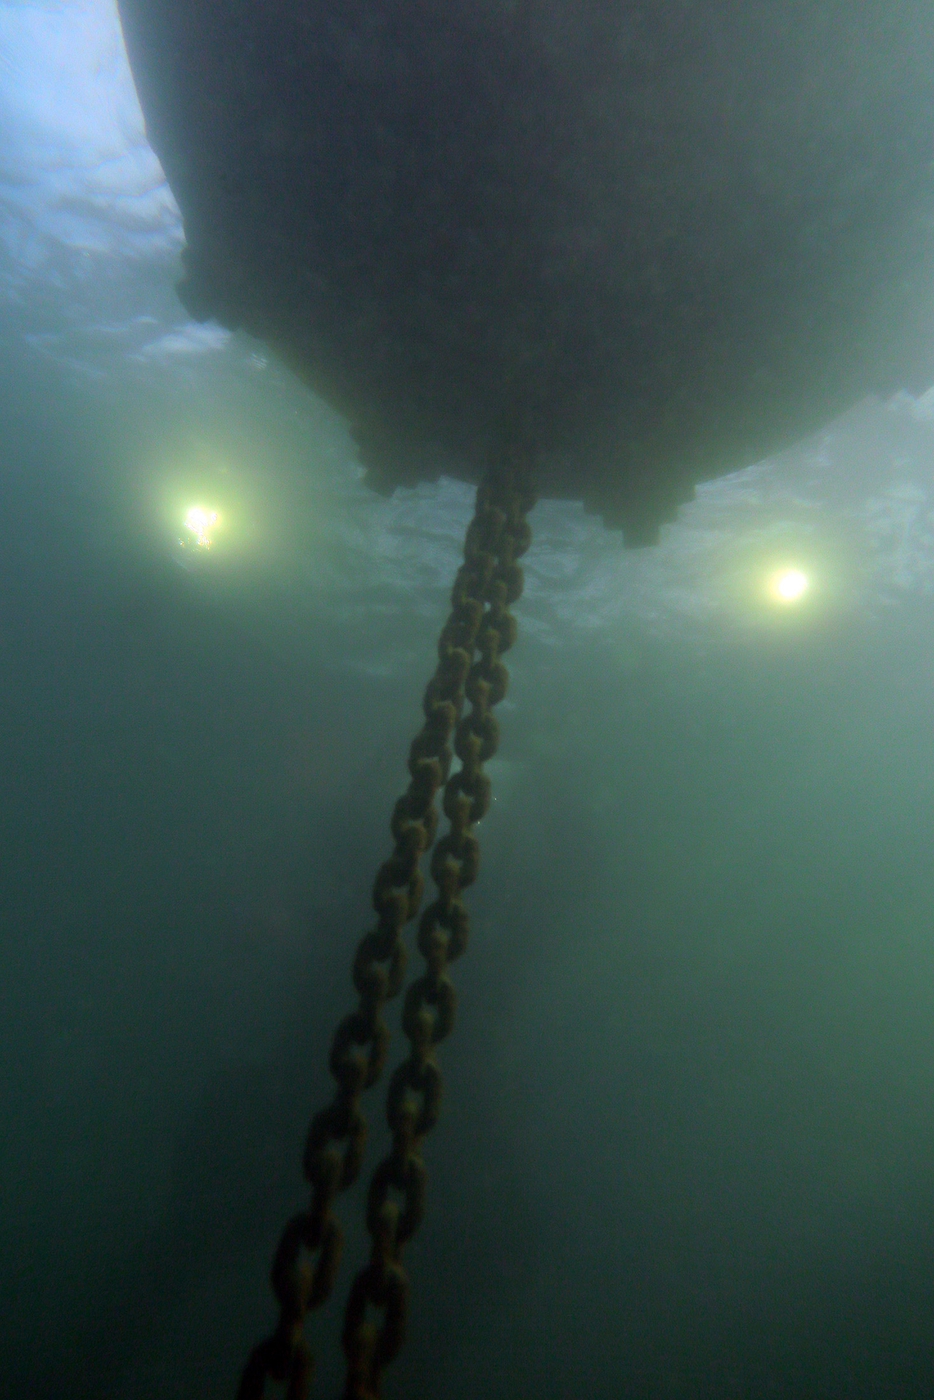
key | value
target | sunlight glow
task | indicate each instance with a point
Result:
(201, 522)
(788, 585)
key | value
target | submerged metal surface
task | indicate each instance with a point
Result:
(691, 232)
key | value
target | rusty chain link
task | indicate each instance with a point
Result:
(491, 579)
(308, 1254)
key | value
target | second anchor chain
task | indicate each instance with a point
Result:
(308, 1254)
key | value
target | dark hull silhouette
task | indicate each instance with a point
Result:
(682, 234)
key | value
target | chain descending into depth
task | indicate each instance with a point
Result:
(308, 1255)
(491, 579)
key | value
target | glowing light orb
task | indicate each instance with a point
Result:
(201, 521)
(789, 585)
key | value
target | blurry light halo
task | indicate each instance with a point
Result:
(788, 585)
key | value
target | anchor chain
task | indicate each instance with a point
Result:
(492, 579)
(307, 1257)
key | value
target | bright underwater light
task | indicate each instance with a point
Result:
(788, 585)
(201, 522)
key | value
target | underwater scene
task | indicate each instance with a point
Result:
(686, 1145)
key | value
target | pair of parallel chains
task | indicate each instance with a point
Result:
(479, 630)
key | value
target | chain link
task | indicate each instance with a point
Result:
(490, 581)
(308, 1254)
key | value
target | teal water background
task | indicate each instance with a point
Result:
(688, 1145)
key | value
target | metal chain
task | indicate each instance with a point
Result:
(491, 579)
(308, 1255)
